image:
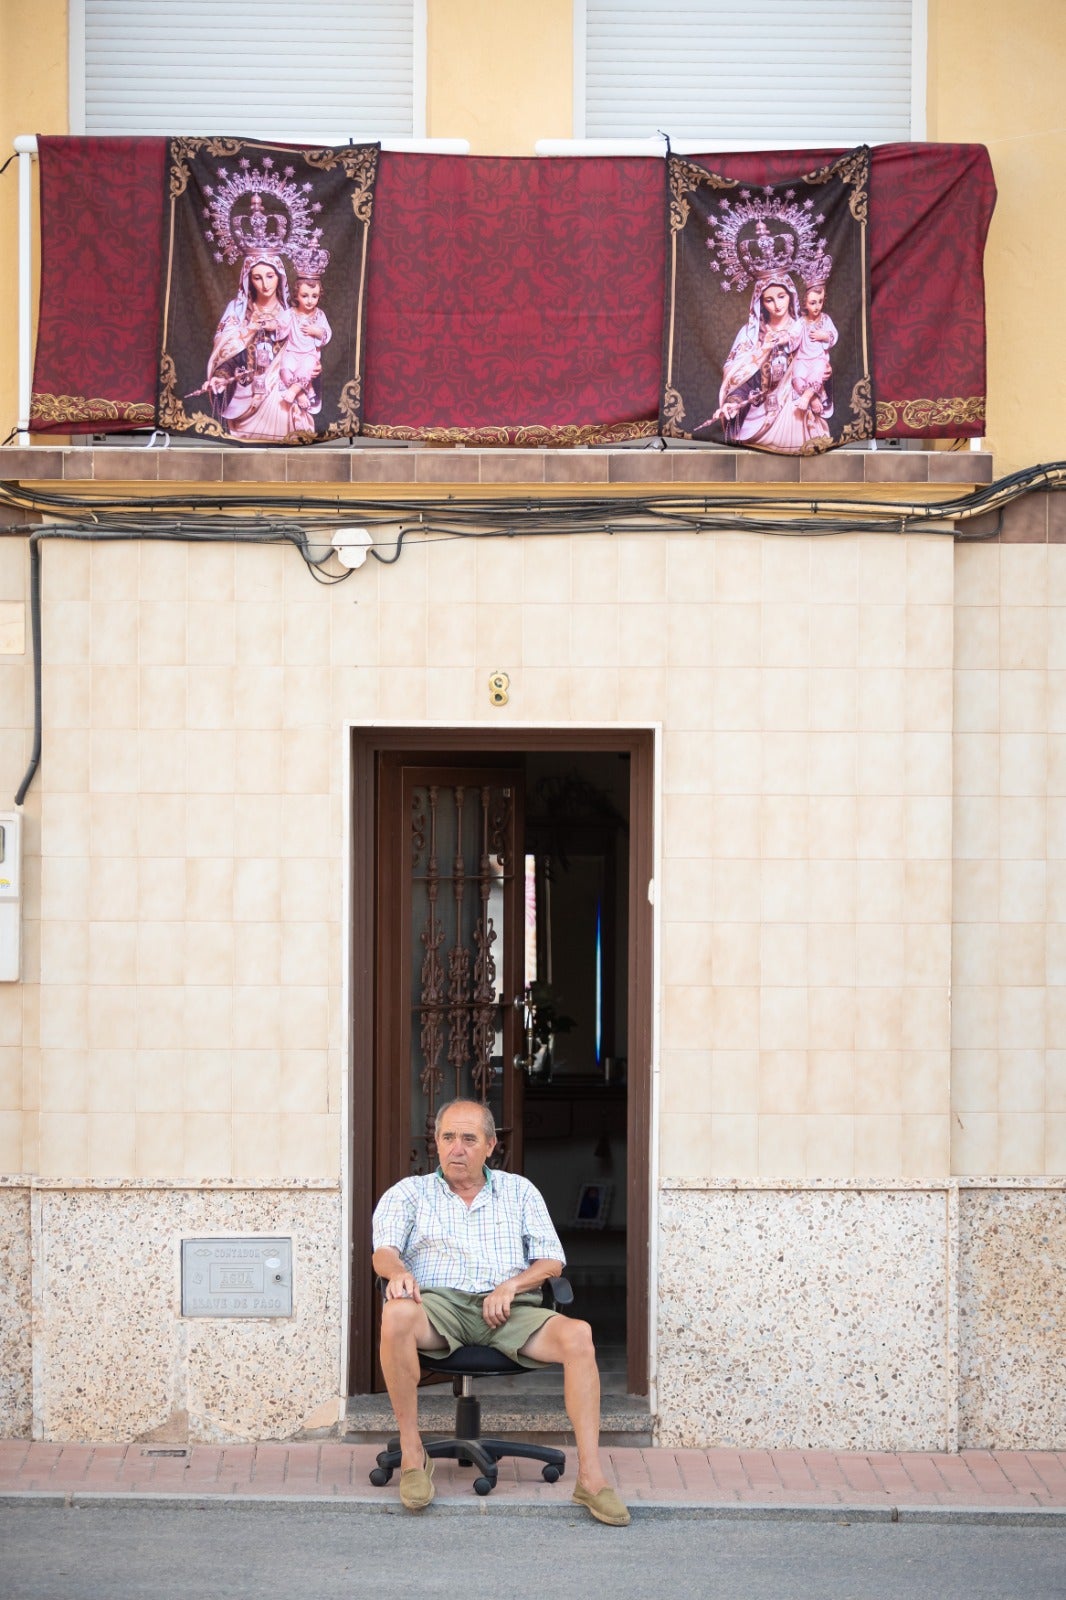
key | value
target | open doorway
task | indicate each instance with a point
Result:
(564, 1059)
(575, 1046)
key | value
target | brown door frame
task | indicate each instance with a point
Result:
(366, 1115)
(392, 1136)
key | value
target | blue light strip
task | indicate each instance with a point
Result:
(599, 981)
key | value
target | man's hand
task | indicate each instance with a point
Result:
(496, 1307)
(402, 1287)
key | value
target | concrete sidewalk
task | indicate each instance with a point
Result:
(1019, 1485)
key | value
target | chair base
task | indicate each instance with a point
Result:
(484, 1454)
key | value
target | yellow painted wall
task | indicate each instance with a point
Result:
(33, 99)
(500, 73)
(996, 78)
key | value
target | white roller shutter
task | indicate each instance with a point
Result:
(298, 70)
(781, 72)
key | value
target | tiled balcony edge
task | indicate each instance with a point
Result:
(426, 467)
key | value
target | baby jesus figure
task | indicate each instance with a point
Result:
(812, 373)
(303, 355)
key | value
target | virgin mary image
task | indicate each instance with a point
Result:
(794, 378)
(248, 353)
(245, 370)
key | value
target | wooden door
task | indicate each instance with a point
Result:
(388, 1119)
(450, 956)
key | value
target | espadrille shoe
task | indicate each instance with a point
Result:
(604, 1506)
(416, 1486)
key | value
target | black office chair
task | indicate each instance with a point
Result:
(467, 1446)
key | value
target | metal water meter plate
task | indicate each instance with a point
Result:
(236, 1277)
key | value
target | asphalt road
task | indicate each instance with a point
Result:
(292, 1553)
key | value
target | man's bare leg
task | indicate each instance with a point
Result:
(569, 1342)
(405, 1329)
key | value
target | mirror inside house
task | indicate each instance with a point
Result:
(572, 1046)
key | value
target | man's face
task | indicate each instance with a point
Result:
(462, 1147)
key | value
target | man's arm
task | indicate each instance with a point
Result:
(497, 1305)
(394, 1217)
(400, 1283)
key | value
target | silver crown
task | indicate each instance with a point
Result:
(755, 238)
(260, 208)
(310, 263)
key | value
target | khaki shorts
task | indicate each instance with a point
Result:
(457, 1317)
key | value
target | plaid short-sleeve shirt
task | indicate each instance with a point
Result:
(447, 1244)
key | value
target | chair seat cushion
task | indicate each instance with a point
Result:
(471, 1361)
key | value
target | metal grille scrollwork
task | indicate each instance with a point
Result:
(458, 916)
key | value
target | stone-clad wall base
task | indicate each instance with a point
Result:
(1012, 1319)
(114, 1359)
(803, 1317)
(884, 1316)
(16, 1374)
(873, 1317)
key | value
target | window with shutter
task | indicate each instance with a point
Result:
(782, 73)
(289, 70)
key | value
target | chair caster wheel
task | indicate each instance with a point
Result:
(483, 1485)
(550, 1474)
(380, 1476)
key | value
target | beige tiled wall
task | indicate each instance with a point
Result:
(18, 1084)
(182, 1011)
(191, 867)
(807, 844)
(1009, 935)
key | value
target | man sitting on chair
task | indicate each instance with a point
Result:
(464, 1252)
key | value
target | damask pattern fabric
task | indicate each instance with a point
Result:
(101, 285)
(266, 260)
(511, 301)
(768, 308)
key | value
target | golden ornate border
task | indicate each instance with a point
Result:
(60, 408)
(967, 410)
(529, 436)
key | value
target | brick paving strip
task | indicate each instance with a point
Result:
(1023, 1485)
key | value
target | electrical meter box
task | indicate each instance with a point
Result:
(10, 896)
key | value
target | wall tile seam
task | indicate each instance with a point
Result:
(952, 1319)
(38, 1319)
(41, 1185)
(1008, 1183)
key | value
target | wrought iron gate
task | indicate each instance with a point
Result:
(458, 939)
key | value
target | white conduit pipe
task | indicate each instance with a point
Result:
(26, 146)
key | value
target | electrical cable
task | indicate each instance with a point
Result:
(203, 518)
(283, 534)
(716, 510)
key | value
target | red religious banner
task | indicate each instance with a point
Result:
(101, 280)
(788, 259)
(507, 301)
(514, 301)
(262, 239)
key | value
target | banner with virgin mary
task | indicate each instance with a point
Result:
(265, 288)
(767, 331)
